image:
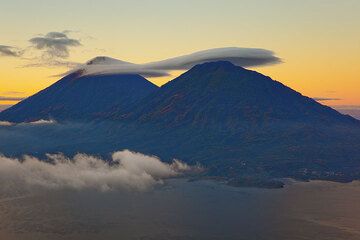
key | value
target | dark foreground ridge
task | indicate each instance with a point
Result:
(244, 127)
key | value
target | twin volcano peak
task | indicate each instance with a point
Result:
(213, 93)
(241, 125)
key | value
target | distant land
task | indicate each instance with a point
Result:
(243, 127)
(354, 111)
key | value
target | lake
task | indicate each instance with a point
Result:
(181, 209)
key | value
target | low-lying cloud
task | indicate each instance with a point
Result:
(245, 57)
(127, 170)
(38, 122)
(6, 123)
(41, 122)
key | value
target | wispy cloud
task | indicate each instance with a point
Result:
(46, 50)
(51, 50)
(325, 99)
(5, 98)
(51, 63)
(12, 92)
(54, 44)
(10, 51)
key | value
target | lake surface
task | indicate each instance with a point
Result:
(179, 209)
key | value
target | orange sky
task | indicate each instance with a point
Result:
(319, 41)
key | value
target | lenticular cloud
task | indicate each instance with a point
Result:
(245, 57)
(127, 170)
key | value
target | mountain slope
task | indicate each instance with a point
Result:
(77, 97)
(221, 94)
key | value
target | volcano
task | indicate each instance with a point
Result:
(223, 95)
(81, 97)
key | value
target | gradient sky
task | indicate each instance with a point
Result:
(318, 40)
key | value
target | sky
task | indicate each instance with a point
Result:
(317, 40)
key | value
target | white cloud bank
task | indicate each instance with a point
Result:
(128, 170)
(245, 57)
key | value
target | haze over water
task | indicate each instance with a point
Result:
(186, 210)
